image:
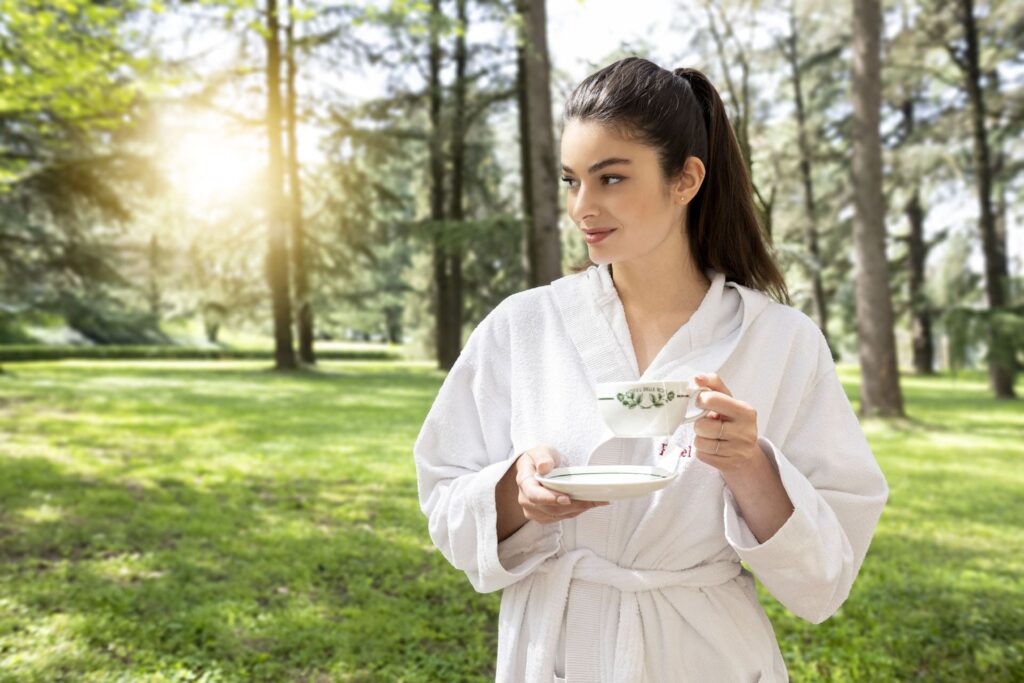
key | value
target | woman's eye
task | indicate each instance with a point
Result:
(607, 179)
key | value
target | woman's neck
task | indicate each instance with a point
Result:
(664, 282)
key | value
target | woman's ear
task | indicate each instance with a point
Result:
(689, 180)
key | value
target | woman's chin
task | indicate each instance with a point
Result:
(599, 257)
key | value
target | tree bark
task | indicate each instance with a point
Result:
(304, 319)
(442, 282)
(880, 387)
(153, 293)
(543, 240)
(524, 154)
(1001, 362)
(810, 207)
(277, 246)
(920, 311)
(917, 255)
(456, 211)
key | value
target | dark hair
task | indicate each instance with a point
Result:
(680, 114)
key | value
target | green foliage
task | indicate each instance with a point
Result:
(1000, 331)
(106, 321)
(210, 521)
(70, 88)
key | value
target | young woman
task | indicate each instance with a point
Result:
(777, 475)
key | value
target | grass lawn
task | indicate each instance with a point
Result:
(211, 521)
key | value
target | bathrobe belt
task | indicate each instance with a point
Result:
(582, 564)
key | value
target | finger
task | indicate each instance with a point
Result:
(576, 511)
(539, 461)
(534, 493)
(544, 458)
(560, 513)
(712, 381)
(713, 427)
(721, 462)
(711, 447)
(725, 405)
(575, 508)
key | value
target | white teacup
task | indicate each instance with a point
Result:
(653, 408)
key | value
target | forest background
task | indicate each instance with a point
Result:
(241, 243)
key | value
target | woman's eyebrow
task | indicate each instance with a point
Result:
(599, 165)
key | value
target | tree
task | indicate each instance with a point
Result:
(880, 388)
(734, 55)
(1001, 363)
(300, 271)
(539, 161)
(277, 245)
(447, 351)
(70, 107)
(456, 211)
(912, 161)
(790, 47)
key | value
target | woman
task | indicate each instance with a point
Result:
(777, 474)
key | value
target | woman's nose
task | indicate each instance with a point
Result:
(583, 205)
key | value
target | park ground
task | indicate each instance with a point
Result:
(213, 521)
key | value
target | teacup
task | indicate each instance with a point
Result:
(652, 408)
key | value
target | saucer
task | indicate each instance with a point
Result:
(607, 482)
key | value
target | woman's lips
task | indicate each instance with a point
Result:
(596, 236)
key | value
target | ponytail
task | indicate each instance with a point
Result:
(723, 228)
(680, 114)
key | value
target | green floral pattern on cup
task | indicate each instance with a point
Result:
(647, 397)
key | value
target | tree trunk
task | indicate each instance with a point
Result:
(524, 154)
(155, 303)
(1001, 361)
(917, 255)
(880, 386)
(304, 320)
(543, 241)
(442, 283)
(456, 211)
(393, 323)
(920, 311)
(277, 252)
(810, 207)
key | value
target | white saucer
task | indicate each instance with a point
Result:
(607, 482)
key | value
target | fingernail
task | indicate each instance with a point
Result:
(563, 500)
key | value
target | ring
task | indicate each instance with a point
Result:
(722, 431)
(717, 444)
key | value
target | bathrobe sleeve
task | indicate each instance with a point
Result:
(837, 491)
(463, 449)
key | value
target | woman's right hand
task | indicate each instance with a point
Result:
(539, 503)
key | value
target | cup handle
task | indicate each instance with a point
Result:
(693, 399)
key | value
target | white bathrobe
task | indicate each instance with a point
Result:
(647, 589)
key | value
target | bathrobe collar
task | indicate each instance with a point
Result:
(596, 323)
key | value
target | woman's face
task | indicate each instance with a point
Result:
(617, 193)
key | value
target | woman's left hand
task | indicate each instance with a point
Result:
(727, 435)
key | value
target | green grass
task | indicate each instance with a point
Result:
(182, 521)
(324, 351)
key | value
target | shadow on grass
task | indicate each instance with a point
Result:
(250, 579)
